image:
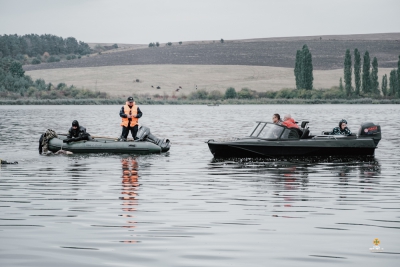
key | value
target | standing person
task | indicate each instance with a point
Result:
(289, 122)
(342, 129)
(130, 114)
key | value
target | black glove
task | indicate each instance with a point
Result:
(67, 140)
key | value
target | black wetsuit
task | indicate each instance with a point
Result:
(77, 134)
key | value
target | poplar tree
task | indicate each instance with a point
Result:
(393, 83)
(398, 75)
(341, 84)
(366, 80)
(297, 70)
(347, 72)
(307, 69)
(374, 77)
(384, 85)
(357, 71)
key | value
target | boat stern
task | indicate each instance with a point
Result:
(370, 130)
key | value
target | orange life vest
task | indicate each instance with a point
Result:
(130, 111)
(290, 123)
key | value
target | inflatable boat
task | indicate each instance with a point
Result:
(272, 140)
(145, 144)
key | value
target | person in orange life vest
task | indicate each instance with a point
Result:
(130, 114)
(289, 122)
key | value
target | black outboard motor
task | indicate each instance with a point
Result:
(369, 129)
(144, 135)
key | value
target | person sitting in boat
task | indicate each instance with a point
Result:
(289, 122)
(276, 118)
(342, 129)
(77, 133)
(130, 114)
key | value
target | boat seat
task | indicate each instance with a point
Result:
(305, 134)
(294, 133)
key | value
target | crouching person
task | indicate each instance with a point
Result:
(77, 133)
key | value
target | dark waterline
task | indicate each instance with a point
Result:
(184, 208)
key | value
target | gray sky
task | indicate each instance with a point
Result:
(145, 21)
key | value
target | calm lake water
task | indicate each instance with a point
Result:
(183, 208)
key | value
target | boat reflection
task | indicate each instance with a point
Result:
(296, 173)
(130, 184)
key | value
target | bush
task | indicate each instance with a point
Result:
(69, 57)
(53, 59)
(16, 69)
(230, 93)
(246, 93)
(334, 93)
(215, 95)
(61, 85)
(200, 94)
(40, 84)
(269, 94)
(180, 42)
(20, 57)
(169, 43)
(286, 94)
(36, 61)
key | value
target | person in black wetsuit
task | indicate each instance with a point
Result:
(342, 129)
(77, 133)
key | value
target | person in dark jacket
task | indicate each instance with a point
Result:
(342, 129)
(77, 133)
(130, 114)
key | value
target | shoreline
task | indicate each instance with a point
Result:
(261, 101)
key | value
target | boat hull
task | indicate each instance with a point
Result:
(264, 148)
(105, 146)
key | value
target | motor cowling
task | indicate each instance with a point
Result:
(144, 134)
(371, 130)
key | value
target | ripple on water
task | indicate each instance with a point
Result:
(184, 208)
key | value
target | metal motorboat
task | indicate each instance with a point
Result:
(273, 140)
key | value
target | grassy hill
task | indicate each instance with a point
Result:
(259, 64)
(328, 53)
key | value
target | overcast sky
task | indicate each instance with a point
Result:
(145, 21)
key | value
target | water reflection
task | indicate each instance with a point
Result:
(130, 184)
(294, 173)
(77, 169)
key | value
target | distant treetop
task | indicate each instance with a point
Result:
(33, 45)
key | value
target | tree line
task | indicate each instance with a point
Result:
(366, 83)
(366, 80)
(14, 84)
(32, 45)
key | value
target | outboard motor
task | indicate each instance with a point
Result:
(144, 135)
(369, 129)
